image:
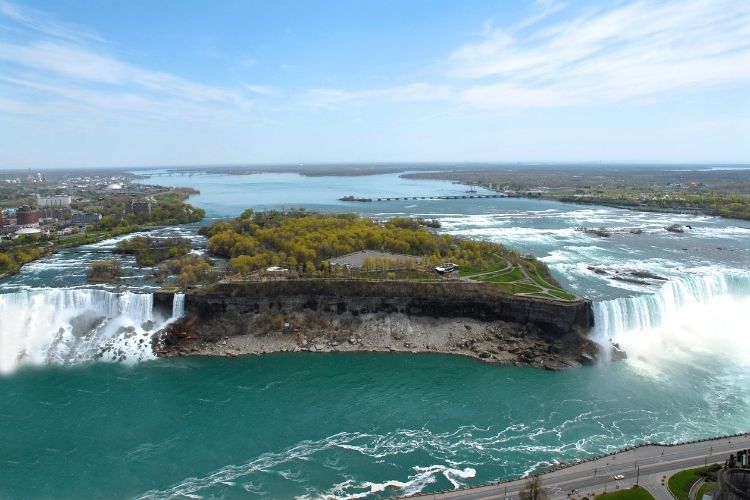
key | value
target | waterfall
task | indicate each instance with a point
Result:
(178, 306)
(699, 315)
(68, 326)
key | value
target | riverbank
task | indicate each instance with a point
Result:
(495, 342)
(645, 465)
(669, 189)
(468, 319)
(51, 247)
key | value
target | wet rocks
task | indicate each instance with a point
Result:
(500, 342)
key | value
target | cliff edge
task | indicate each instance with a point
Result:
(466, 318)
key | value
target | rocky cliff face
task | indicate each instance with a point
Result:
(480, 301)
(472, 319)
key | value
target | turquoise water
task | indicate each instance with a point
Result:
(328, 425)
(290, 425)
(545, 228)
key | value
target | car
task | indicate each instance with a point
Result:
(448, 267)
(619, 477)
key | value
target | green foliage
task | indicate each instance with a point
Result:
(8, 264)
(168, 208)
(634, 493)
(710, 473)
(706, 488)
(722, 193)
(14, 257)
(189, 270)
(681, 482)
(149, 251)
(533, 489)
(104, 271)
(303, 241)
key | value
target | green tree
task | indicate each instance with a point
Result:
(104, 271)
(533, 489)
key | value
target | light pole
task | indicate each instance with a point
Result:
(637, 474)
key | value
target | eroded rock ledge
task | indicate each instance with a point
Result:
(472, 319)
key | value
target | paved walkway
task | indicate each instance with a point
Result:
(649, 465)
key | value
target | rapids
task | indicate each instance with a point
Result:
(368, 425)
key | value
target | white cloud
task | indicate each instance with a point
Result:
(38, 21)
(48, 62)
(88, 65)
(544, 9)
(414, 92)
(634, 50)
(266, 90)
(639, 49)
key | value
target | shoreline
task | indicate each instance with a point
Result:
(470, 319)
(560, 471)
(497, 342)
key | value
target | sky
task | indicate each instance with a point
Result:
(184, 82)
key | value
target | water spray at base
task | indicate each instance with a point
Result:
(70, 326)
(688, 318)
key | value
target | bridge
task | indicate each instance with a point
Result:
(453, 197)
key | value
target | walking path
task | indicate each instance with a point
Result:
(694, 489)
(650, 466)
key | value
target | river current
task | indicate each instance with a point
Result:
(87, 412)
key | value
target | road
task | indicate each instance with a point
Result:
(649, 465)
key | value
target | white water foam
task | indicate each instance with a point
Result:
(178, 306)
(252, 471)
(687, 319)
(69, 326)
(416, 483)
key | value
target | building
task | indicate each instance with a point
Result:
(57, 213)
(733, 484)
(139, 208)
(58, 201)
(733, 480)
(28, 231)
(27, 216)
(86, 218)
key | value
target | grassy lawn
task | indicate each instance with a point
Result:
(513, 280)
(507, 276)
(634, 493)
(680, 483)
(560, 294)
(706, 488)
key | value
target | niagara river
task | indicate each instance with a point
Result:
(89, 411)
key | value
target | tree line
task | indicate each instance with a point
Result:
(305, 241)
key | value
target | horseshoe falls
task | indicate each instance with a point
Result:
(687, 318)
(75, 424)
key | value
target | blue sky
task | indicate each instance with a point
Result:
(139, 83)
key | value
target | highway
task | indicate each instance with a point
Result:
(649, 465)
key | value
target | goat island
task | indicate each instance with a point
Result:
(300, 281)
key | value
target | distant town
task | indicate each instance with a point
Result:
(40, 213)
(68, 207)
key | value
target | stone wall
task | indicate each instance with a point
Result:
(734, 484)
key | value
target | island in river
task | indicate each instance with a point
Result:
(301, 281)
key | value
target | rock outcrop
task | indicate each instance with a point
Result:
(473, 319)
